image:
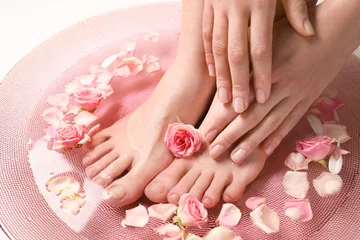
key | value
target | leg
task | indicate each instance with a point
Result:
(135, 142)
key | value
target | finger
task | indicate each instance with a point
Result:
(297, 14)
(243, 123)
(219, 48)
(261, 131)
(238, 59)
(261, 30)
(208, 24)
(274, 139)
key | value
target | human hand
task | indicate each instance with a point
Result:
(226, 35)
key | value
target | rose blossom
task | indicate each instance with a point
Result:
(191, 212)
(67, 135)
(88, 98)
(316, 148)
(182, 140)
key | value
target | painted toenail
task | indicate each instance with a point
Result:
(238, 155)
(207, 201)
(90, 171)
(157, 188)
(217, 151)
(174, 197)
(117, 192)
(99, 181)
(211, 135)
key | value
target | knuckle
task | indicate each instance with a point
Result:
(273, 121)
(294, 119)
(260, 52)
(237, 55)
(240, 87)
(252, 144)
(253, 117)
(276, 137)
(263, 80)
(208, 35)
(299, 5)
(221, 81)
(228, 139)
(259, 3)
(219, 48)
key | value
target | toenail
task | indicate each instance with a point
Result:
(117, 192)
(216, 151)
(227, 198)
(157, 188)
(174, 197)
(207, 201)
(238, 155)
(86, 160)
(211, 135)
(99, 181)
(90, 172)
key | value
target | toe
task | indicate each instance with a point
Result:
(158, 189)
(101, 164)
(184, 185)
(235, 190)
(97, 153)
(201, 184)
(101, 137)
(213, 193)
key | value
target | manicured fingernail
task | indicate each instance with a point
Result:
(99, 181)
(211, 68)
(117, 192)
(308, 27)
(269, 149)
(238, 155)
(211, 135)
(217, 151)
(207, 201)
(260, 96)
(239, 105)
(89, 171)
(157, 188)
(223, 95)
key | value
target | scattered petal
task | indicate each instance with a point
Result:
(134, 64)
(328, 184)
(73, 204)
(109, 60)
(73, 109)
(59, 100)
(339, 132)
(229, 216)
(296, 162)
(96, 69)
(153, 67)
(64, 186)
(221, 233)
(86, 119)
(266, 219)
(152, 37)
(254, 202)
(298, 210)
(130, 46)
(72, 87)
(191, 236)
(296, 184)
(171, 232)
(316, 124)
(104, 77)
(52, 115)
(149, 58)
(335, 165)
(136, 217)
(86, 80)
(162, 211)
(123, 71)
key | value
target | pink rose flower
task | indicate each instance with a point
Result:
(182, 140)
(316, 148)
(89, 98)
(191, 212)
(67, 135)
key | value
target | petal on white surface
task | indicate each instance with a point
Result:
(136, 217)
(266, 219)
(335, 165)
(298, 210)
(296, 162)
(64, 186)
(339, 132)
(162, 211)
(52, 115)
(109, 60)
(328, 184)
(316, 124)
(86, 119)
(73, 204)
(296, 184)
(254, 202)
(229, 215)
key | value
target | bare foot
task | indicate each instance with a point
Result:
(135, 142)
(206, 178)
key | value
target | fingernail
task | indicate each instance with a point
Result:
(207, 201)
(308, 27)
(157, 188)
(260, 96)
(239, 105)
(90, 172)
(211, 68)
(269, 149)
(216, 151)
(117, 192)
(223, 95)
(99, 181)
(211, 135)
(238, 155)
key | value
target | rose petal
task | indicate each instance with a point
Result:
(86, 80)
(266, 219)
(191, 236)
(135, 65)
(152, 37)
(229, 215)
(328, 184)
(104, 77)
(109, 60)
(335, 165)
(254, 202)
(86, 119)
(136, 217)
(59, 100)
(170, 232)
(222, 233)
(315, 148)
(298, 210)
(296, 184)
(73, 204)
(339, 132)
(130, 46)
(315, 124)
(296, 162)
(123, 71)
(149, 58)
(96, 69)
(50, 132)
(153, 67)
(52, 115)
(72, 87)
(64, 186)
(162, 211)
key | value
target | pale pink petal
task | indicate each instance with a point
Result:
(343, 152)
(72, 87)
(125, 54)
(135, 65)
(153, 67)
(109, 60)
(298, 210)
(296, 162)
(229, 216)
(107, 90)
(316, 124)
(221, 233)
(123, 71)
(328, 184)
(85, 139)
(162, 211)
(149, 58)
(104, 77)
(296, 184)
(335, 165)
(59, 100)
(339, 132)
(86, 119)
(52, 115)
(130, 46)
(50, 132)
(254, 202)
(151, 37)
(171, 232)
(191, 236)
(266, 219)
(136, 217)
(86, 80)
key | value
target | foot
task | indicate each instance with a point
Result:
(206, 178)
(135, 143)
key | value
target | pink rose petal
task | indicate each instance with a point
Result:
(86, 119)
(109, 60)
(171, 232)
(59, 100)
(162, 211)
(104, 77)
(221, 233)
(254, 202)
(335, 165)
(152, 37)
(266, 219)
(229, 216)
(328, 184)
(339, 132)
(316, 124)
(73, 87)
(52, 115)
(86, 80)
(130, 46)
(153, 67)
(315, 148)
(149, 58)
(298, 210)
(296, 184)
(134, 64)
(123, 71)
(50, 132)
(296, 162)
(136, 217)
